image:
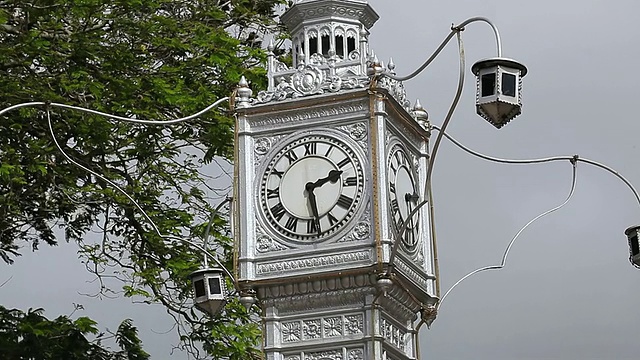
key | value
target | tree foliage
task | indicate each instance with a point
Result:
(151, 59)
(30, 335)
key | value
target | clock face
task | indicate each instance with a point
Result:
(403, 195)
(312, 187)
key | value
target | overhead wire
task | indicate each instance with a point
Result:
(503, 262)
(113, 184)
(573, 159)
(112, 116)
(455, 30)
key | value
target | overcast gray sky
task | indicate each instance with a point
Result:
(568, 291)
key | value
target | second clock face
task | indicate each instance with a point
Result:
(312, 187)
(403, 196)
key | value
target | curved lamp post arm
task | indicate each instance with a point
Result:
(452, 108)
(456, 29)
(206, 233)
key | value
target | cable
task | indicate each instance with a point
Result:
(133, 201)
(116, 117)
(506, 253)
(573, 159)
(542, 160)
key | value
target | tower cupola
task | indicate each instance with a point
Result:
(330, 49)
(335, 30)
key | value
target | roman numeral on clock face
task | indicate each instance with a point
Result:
(332, 219)
(395, 209)
(278, 211)
(273, 193)
(310, 148)
(410, 237)
(291, 156)
(344, 201)
(351, 181)
(292, 223)
(344, 162)
(400, 158)
(312, 226)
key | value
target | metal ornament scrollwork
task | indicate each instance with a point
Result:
(392, 334)
(355, 354)
(325, 355)
(360, 232)
(311, 329)
(291, 331)
(307, 81)
(358, 131)
(266, 244)
(396, 90)
(332, 326)
(262, 146)
(353, 324)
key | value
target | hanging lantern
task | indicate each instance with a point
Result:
(210, 290)
(633, 235)
(499, 93)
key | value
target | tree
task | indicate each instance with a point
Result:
(151, 59)
(30, 335)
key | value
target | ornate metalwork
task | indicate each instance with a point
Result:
(316, 263)
(314, 78)
(266, 244)
(393, 334)
(397, 90)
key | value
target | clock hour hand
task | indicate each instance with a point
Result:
(411, 197)
(314, 206)
(333, 176)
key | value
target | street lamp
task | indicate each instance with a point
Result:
(633, 235)
(209, 283)
(209, 289)
(499, 89)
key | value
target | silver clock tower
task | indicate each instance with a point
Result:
(330, 161)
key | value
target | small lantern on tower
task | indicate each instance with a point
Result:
(210, 290)
(633, 234)
(499, 93)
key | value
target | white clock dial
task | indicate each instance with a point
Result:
(312, 187)
(403, 195)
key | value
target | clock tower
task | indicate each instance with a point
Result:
(330, 161)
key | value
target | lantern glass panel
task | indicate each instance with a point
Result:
(635, 247)
(508, 84)
(214, 286)
(199, 287)
(488, 82)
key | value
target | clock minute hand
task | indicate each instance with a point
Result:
(333, 176)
